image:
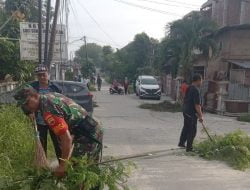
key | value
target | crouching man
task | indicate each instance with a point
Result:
(68, 121)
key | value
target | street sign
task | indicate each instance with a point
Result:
(29, 42)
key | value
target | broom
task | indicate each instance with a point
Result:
(40, 160)
(205, 129)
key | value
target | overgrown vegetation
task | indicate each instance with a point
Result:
(16, 161)
(244, 118)
(16, 143)
(233, 148)
(81, 172)
(18, 11)
(164, 106)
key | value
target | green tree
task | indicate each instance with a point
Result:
(95, 58)
(184, 37)
(10, 62)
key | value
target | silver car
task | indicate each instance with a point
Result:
(148, 87)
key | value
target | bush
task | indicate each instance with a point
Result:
(233, 148)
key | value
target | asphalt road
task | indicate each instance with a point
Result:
(130, 130)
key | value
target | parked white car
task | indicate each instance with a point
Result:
(148, 87)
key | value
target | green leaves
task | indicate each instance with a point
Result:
(185, 36)
(82, 172)
(17, 154)
(233, 148)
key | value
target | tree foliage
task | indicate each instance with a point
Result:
(138, 57)
(10, 53)
(185, 36)
(94, 58)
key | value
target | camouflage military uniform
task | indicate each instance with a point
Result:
(62, 114)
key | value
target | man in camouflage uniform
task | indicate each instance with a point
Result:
(69, 122)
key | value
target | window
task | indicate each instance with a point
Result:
(149, 81)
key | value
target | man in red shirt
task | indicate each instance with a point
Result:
(184, 87)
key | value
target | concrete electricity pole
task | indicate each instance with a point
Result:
(53, 34)
(40, 31)
(47, 33)
(86, 55)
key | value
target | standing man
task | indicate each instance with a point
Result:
(126, 84)
(44, 86)
(68, 121)
(99, 82)
(192, 112)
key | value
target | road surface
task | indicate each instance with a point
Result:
(130, 130)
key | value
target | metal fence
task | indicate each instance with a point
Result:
(238, 92)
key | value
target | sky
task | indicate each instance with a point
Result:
(116, 22)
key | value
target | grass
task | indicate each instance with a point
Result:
(232, 148)
(16, 143)
(244, 118)
(164, 106)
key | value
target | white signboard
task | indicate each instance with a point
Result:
(29, 42)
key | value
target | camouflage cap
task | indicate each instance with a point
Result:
(22, 94)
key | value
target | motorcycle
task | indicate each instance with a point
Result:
(116, 90)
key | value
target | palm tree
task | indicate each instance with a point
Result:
(184, 37)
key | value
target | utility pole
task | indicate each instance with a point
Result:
(47, 33)
(53, 34)
(86, 55)
(40, 31)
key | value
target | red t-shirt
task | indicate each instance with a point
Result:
(184, 87)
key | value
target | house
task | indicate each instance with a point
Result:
(229, 71)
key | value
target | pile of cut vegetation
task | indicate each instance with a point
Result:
(164, 106)
(18, 172)
(232, 148)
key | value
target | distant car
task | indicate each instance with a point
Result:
(148, 87)
(78, 92)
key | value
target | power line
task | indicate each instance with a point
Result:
(97, 24)
(76, 18)
(182, 3)
(96, 40)
(148, 8)
(161, 3)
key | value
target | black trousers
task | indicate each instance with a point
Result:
(126, 90)
(43, 133)
(189, 131)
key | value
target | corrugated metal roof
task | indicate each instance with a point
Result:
(243, 64)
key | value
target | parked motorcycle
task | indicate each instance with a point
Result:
(116, 90)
